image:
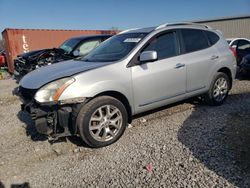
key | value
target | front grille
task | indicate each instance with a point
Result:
(27, 94)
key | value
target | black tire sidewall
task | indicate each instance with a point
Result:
(85, 114)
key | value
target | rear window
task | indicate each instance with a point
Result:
(212, 37)
(194, 40)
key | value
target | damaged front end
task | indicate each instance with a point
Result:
(30, 61)
(55, 121)
(56, 118)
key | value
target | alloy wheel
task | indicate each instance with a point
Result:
(105, 123)
(220, 89)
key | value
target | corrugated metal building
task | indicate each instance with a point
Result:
(231, 27)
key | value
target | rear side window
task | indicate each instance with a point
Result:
(194, 40)
(165, 46)
(212, 37)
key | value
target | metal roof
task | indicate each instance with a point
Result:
(222, 19)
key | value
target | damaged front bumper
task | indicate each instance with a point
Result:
(54, 120)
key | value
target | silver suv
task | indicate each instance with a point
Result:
(130, 73)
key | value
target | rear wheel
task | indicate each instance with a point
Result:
(218, 90)
(102, 121)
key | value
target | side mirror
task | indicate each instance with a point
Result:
(76, 53)
(148, 56)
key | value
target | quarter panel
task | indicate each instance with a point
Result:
(227, 58)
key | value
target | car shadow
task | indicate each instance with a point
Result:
(23, 185)
(36, 136)
(243, 75)
(15, 92)
(30, 127)
(76, 140)
(219, 137)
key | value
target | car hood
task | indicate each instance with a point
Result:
(44, 75)
(31, 53)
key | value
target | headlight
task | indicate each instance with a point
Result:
(52, 91)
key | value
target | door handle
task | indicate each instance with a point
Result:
(214, 57)
(179, 65)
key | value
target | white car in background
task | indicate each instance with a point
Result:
(240, 46)
(234, 42)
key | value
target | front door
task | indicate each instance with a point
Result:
(156, 82)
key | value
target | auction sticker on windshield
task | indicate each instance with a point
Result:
(132, 40)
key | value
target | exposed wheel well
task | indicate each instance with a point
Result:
(228, 73)
(121, 98)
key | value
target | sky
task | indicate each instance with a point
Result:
(107, 14)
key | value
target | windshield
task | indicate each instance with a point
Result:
(69, 45)
(115, 48)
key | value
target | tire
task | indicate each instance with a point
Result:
(97, 127)
(221, 92)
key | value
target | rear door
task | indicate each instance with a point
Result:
(199, 58)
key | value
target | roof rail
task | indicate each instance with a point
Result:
(162, 26)
(125, 31)
(181, 23)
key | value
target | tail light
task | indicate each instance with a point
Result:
(233, 51)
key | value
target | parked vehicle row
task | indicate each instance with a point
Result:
(96, 96)
(70, 49)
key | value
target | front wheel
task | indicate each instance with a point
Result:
(218, 90)
(102, 121)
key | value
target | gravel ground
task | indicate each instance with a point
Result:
(187, 144)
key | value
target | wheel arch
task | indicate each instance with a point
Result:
(227, 71)
(121, 97)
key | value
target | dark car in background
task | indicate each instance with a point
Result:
(70, 49)
(245, 64)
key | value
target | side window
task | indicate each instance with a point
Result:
(212, 37)
(194, 40)
(165, 45)
(87, 46)
(243, 45)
